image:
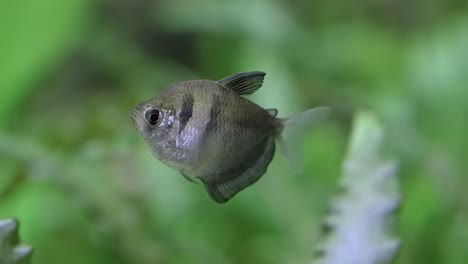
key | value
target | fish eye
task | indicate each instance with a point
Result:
(153, 117)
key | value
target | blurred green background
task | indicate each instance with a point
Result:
(87, 190)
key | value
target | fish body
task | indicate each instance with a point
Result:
(206, 130)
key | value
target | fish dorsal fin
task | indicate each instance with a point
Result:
(272, 112)
(243, 82)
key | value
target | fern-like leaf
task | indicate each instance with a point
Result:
(359, 227)
(11, 252)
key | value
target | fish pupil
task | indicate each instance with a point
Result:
(153, 117)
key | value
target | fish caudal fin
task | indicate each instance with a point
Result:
(294, 130)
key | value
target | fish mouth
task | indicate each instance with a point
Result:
(134, 117)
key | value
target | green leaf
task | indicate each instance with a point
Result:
(358, 230)
(11, 251)
(35, 35)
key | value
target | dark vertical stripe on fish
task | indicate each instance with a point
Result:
(186, 112)
(214, 117)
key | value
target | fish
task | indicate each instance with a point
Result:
(210, 133)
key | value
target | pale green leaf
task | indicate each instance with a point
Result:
(11, 251)
(359, 228)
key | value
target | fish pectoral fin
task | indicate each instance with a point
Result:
(222, 191)
(272, 112)
(188, 178)
(243, 82)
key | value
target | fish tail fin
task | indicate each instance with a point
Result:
(294, 129)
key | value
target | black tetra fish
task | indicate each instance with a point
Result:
(208, 131)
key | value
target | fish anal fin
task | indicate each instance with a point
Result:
(223, 191)
(243, 82)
